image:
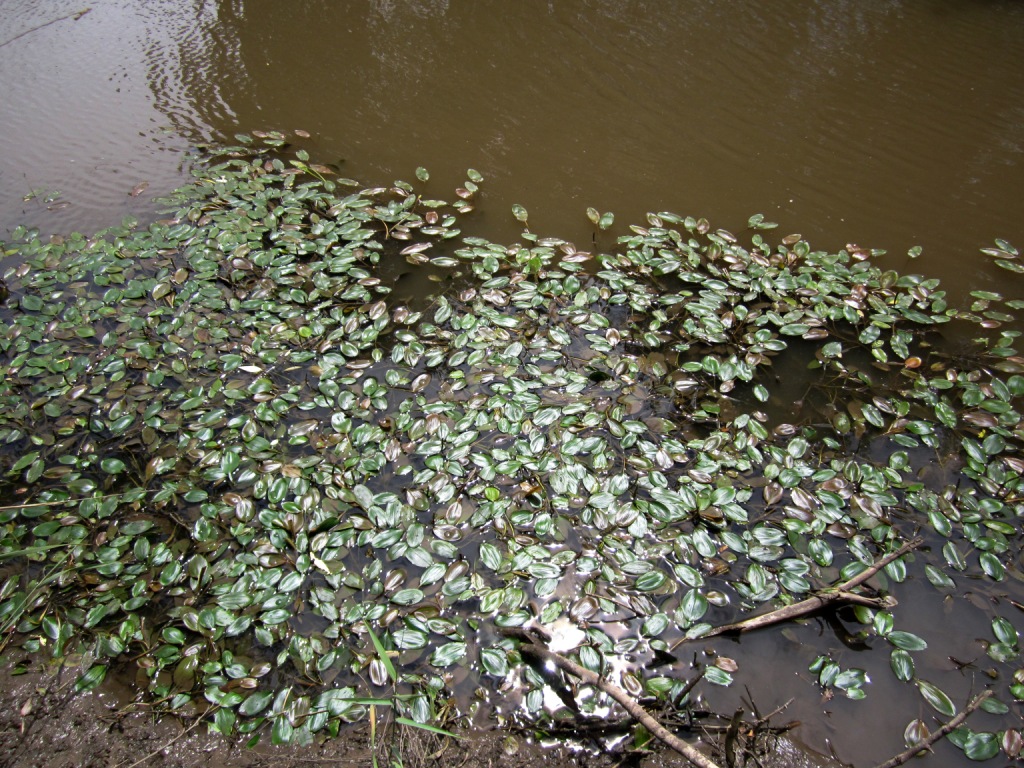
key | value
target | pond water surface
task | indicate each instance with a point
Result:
(889, 124)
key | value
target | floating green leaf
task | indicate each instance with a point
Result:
(936, 698)
(902, 664)
(981, 746)
(907, 641)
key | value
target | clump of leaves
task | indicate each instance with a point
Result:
(232, 458)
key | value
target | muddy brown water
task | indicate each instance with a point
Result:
(886, 123)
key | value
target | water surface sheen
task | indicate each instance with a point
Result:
(889, 124)
(885, 123)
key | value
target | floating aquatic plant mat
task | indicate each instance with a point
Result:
(231, 460)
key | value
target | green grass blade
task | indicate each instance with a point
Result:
(368, 701)
(383, 654)
(425, 727)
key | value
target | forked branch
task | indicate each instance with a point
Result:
(926, 744)
(839, 594)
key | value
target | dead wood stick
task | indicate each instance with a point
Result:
(838, 594)
(952, 725)
(76, 16)
(796, 610)
(863, 576)
(533, 647)
(779, 709)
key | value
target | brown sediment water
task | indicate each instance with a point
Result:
(889, 124)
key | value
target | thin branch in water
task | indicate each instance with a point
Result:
(59, 502)
(76, 16)
(925, 745)
(692, 684)
(839, 594)
(532, 646)
(731, 736)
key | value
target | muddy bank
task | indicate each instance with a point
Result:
(46, 724)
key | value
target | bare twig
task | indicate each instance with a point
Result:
(863, 576)
(838, 594)
(760, 720)
(533, 647)
(168, 745)
(952, 725)
(76, 16)
(691, 684)
(57, 503)
(731, 736)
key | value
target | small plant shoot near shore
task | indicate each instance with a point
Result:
(236, 469)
